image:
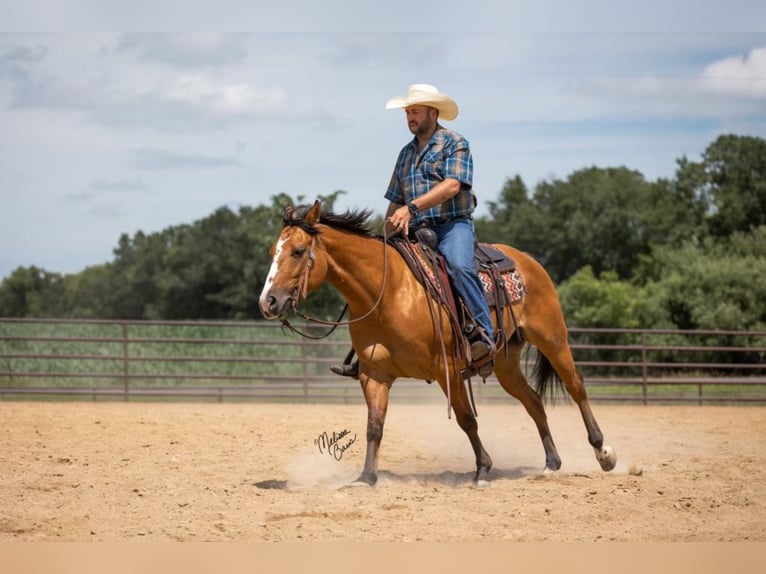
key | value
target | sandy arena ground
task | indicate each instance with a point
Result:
(251, 472)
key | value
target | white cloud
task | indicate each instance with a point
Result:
(238, 98)
(737, 75)
(725, 90)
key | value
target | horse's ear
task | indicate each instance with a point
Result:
(289, 213)
(312, 217)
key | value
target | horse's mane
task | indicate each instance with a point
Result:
(354, 220)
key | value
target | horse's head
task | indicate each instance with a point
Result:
(296, 265)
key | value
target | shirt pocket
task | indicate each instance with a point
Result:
(433, 163)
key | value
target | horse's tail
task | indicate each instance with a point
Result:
(543, 375)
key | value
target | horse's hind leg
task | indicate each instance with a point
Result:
(561, 360)
(511, 378)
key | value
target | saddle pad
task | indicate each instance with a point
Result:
(512, 283)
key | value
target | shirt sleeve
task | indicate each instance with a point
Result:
(458, 162)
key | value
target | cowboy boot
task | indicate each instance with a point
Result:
(347, 369)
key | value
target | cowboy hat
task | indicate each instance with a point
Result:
(426, 95)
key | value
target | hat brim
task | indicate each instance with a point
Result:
(446, 105)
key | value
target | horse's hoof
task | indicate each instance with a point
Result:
(607, 458)
(481, 483)
(365, 480)
(552, 464)
(356, 484)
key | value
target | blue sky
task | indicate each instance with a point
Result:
(108, 132)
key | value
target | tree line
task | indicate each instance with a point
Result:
(687, 252)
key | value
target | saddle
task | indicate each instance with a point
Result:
(501, 282)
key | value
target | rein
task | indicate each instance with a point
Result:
(302, 292)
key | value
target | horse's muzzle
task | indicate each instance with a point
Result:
(274, 306)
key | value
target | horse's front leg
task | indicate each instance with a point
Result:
(376, 395)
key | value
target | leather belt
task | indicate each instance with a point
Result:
(443, 220)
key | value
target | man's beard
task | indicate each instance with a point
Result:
(420, 129)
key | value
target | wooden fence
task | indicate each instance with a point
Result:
(213, 360)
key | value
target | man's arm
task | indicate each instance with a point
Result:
(398, 216)
(438, 194)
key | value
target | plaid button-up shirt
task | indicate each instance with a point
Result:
(447, 155)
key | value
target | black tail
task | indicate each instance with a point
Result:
(543, 375)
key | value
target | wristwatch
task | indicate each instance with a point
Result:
(413, 208)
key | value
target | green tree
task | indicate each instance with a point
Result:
(513, 219)
(713, 285)
(137, 264)
(89, 294)
(593, 218)
(604, 301)
(672, 212)
(732, 180)
(31, 292)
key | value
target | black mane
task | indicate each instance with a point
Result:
(355, 220)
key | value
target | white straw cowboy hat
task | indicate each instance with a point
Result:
(426, 95)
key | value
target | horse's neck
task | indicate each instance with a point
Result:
(358, 267)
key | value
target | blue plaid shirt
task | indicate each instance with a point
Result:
(447, 155)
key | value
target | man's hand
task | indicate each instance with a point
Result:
(399, 221)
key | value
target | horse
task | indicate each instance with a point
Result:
(393, 331)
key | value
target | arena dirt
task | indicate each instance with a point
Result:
(253, 472)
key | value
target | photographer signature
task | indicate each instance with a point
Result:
(335, 444)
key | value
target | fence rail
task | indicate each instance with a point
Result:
(227, 360)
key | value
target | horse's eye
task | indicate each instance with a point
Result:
(298, 252)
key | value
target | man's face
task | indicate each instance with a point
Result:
(420, 119)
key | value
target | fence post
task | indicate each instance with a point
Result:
(125, 363)
(304, 370)
(643, 367)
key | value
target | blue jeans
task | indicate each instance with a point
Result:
(456, 243)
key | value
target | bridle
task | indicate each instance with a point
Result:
(301, 292)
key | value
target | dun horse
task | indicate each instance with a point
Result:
(394, 334)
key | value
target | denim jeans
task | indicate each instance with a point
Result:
(456, 243)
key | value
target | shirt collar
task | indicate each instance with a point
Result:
(437, 137)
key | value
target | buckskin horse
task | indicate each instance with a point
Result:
(393, 331)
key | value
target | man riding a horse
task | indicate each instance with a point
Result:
(394, 324)
(431, 187)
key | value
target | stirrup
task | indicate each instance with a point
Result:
(347, 370)
(486, 369)
(482, 355)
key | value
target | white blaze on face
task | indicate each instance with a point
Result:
(272, 273)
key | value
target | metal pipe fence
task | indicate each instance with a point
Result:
(257, 360)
